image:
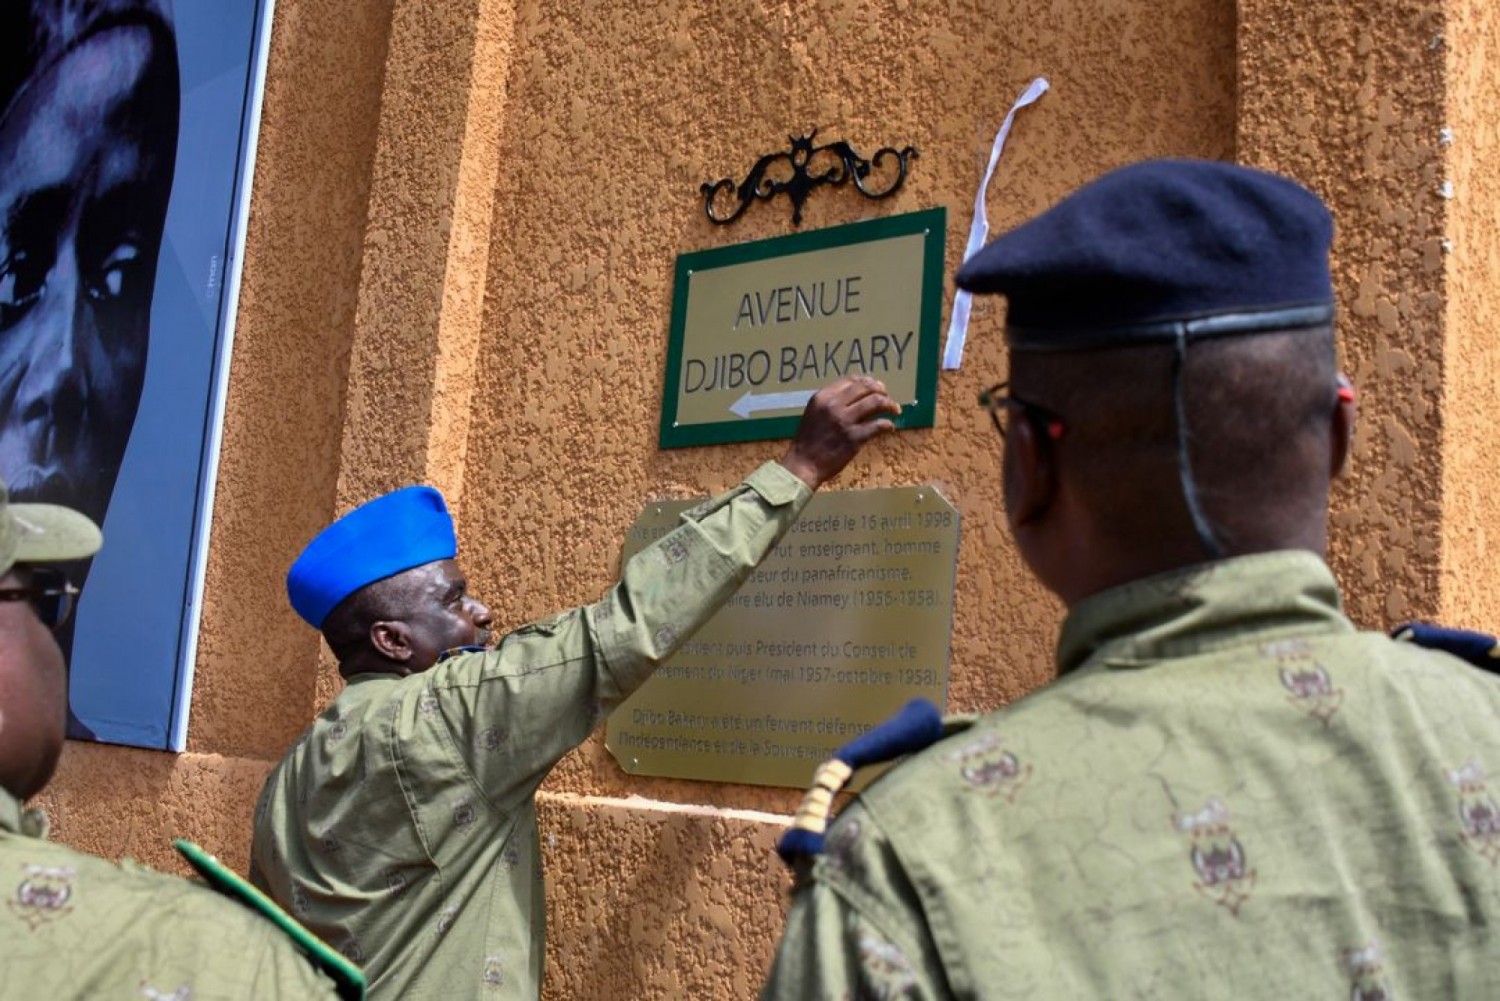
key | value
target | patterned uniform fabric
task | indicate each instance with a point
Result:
(402, 826)
(1228, 793)
(76, 926)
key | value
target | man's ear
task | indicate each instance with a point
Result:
(1341, 437)
(392, 640)
(1030, 474)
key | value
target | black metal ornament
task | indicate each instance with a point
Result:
(798, 171)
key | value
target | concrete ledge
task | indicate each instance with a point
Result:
(648, 899)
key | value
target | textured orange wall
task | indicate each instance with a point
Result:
(1471, 389)
(656, 900)
(463, 230)
(1349, 99)
(416, 331)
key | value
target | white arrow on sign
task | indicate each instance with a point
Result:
(752, 403)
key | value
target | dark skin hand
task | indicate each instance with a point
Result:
(838, 421)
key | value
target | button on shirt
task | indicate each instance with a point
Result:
(402, 826)
(1230, 792)
(77, 926)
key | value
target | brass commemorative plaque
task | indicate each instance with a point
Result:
(848, 618)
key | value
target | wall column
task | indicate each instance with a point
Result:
(421, 294)
(427, 242)
(1471, 258)
(1349, 99)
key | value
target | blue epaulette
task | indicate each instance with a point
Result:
(1480, 649)
(918, 724)
(452, 652)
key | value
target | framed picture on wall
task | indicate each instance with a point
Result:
(127, 137)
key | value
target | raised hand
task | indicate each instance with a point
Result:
(838, 421)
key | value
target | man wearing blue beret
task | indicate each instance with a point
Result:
(1229, 791)
(401, 828)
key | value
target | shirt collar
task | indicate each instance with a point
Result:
(1202, 608)
(18, 820)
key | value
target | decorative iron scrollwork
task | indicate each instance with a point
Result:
(804, 162)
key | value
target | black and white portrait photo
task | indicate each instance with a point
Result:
(123, 126)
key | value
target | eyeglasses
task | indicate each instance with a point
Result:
(996, 400)
(50, 593)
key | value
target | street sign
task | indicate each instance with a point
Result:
(759, 327)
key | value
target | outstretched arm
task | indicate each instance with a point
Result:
(548, 684)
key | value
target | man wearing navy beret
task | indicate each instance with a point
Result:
(1229, 791)
(401, 828)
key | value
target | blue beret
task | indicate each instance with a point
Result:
(406, 528)
(1159, 248)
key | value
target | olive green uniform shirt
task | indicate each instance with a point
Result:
(402, 827)
(77, 926)
(1229, 793)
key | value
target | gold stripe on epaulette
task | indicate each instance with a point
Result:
(832, 774)
(828, 780)
(812, 815)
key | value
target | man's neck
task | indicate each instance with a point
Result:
(358, 664)
(1125, 568)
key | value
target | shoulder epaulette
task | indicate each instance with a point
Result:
(918, 724)
(347, 978)
(1480, 649)
(452, 652)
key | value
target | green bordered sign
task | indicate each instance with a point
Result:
(759, 327)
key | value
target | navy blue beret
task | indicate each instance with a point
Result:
(1145, 250)
(406, 528)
